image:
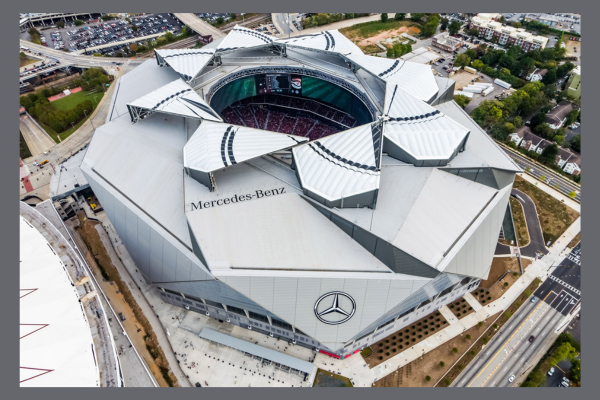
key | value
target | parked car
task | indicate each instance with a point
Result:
(551, 371)
(533, 299)
(531, 339)
(121, 316)
(511, 378)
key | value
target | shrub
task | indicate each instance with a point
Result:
(442, 364)
(381, 357)
(485, 340)
(507, 315)
(505, 284)
(447, 382)
(515, 274)
(473, 353)
(414, 340)
(420, 336)
(444, 322)
(468, 337)
(490, 297)
(458, 314)
(480, 324)
(438, 325)
(495, 326)
(401, 346)
(381, 351)
(483, 301)
(387, 354)
(427, 378)
(394, 350)
(460, 367)
(387, 347)
(454, 350)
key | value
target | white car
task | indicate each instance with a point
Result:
(551, 371)
(511, 378)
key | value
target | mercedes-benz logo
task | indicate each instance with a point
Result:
(341, 310)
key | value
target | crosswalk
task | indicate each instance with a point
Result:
(571, 288)
(576, 260)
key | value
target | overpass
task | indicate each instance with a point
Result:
(43, 18)
(137, 39)
(199, 25)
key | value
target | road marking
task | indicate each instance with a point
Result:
(534, 310)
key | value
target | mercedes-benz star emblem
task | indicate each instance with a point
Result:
(339, 311)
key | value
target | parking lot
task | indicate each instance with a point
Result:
(101, 32)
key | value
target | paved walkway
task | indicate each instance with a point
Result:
(38, 141)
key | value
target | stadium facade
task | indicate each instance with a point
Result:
(298, 187)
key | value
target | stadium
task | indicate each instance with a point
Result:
(299, 188)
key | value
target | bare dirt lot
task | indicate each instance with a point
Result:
(493, 288)
(365, 35)
(462, 79)
(415, 374)
(135, 323)
(391, 345)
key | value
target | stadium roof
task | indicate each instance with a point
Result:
(418, 128)
(186, 62)
(241, 37)
(332, 41)
(214, 146)
(56, 344)
(341, 165)
(176, 98)
(415, 79)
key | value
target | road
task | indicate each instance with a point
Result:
(199, 25)
(281, 22)
(511, 352)
(37, 139)
(537, 245)
(565, 186)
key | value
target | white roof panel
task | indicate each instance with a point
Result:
(177, 98)
(241, 37)
(418, 128)
(416, 79)
(56, 344)
(343, 164)
(186, 62)
(215, 146)
(332, 41)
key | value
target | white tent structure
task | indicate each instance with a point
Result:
(176, 98)
(56, 344)
(328, 41)
(186, 62)
(243, 38)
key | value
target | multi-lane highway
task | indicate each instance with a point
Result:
(564, 185)
(512, 353)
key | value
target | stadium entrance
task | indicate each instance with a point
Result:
(290, 103)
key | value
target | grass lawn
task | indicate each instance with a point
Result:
(555, 217)
(23, 61)
(70, 101)
(520, 224)
(66, 103)
(371, 49)
(329, 379)
(367, 351)
(575, 240)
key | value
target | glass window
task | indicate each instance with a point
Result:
(259, 317)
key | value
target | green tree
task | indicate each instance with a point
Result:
(473, 32)
(518, 121)
(444, 24)
(384, 17)
(549, 154)
(442, 364)
(134, 47)
(462, 60)
(563, 352)
(454, 27)
(477, 64)
(544, 131)
(78, 22)
(134, 28)
(564, 69)
(576, 143)
(399, 16)
(468, 337)
(427, 378)
(417, 17)
(550, 77)
(461, 100)
(60, 24)
(454, 350)
(576, 371)
(572, 117)
(220, 20)
(233, 15)
(390, 53)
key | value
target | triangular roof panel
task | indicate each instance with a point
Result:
(419, 129)
(332, 41)
(243, 38)
(176, 98)
(215, 146)
(341, 165)
(415, 79)
(186, 62)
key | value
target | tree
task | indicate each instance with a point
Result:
(473, 32)
(399, 16)
(544, 131)
(576, 143)
(468, 337)
(477, 64)
(563, 352)
(417, 17)
(220, 20)
(78, 22)
(461, 100)
(485, 340)
(442, 364)
(454, 350)
(134, 28)
(537, 119)
(60, 24)
(384, 17)
(471, 53)
(454, 27)
(549, 154)
(573, 194)
(550, 77)
(233, 15)
(462, 60)
(427, 378)
(572, 117)
(576, 371)
(133, 47)
(564, 69)
(444, 24)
